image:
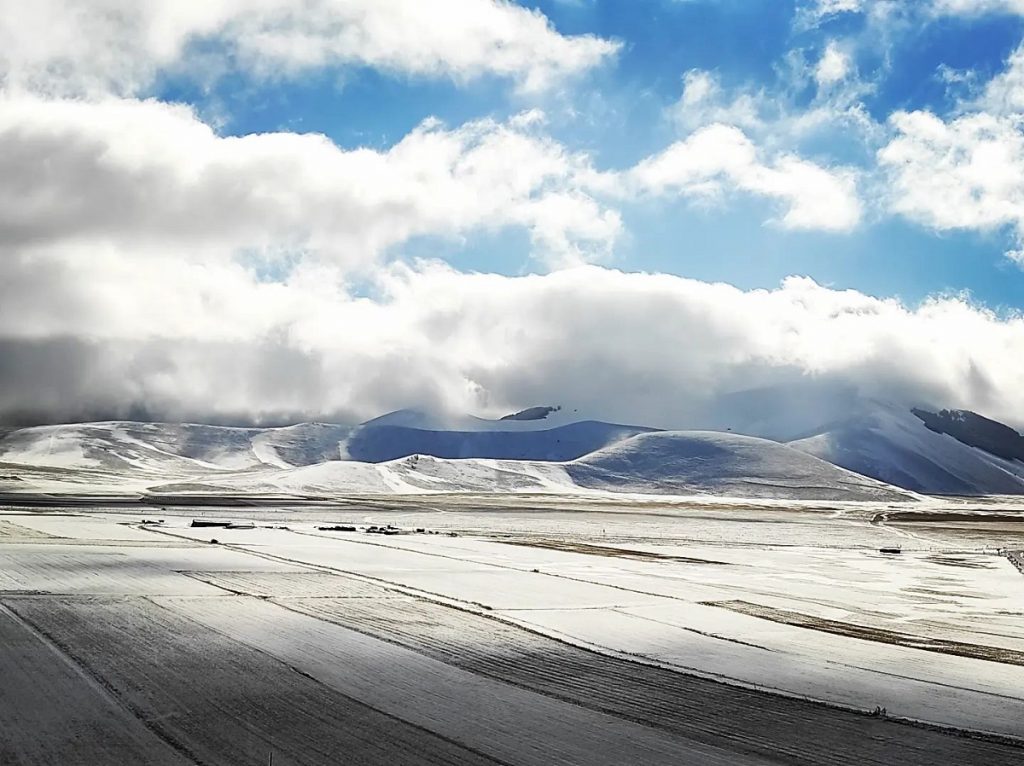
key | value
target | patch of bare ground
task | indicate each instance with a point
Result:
(570, 546)
(781, 729)
(1017, 559)
(868, 633)
(974, 517)
(962, 561)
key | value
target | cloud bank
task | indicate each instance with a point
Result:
(150, 177)
(647, 348)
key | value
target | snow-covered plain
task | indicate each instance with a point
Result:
(634, 612)
(679, 610)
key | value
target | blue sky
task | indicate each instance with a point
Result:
(619, 114)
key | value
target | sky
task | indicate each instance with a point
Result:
(267, 211)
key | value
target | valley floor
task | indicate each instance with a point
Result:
(523, 631)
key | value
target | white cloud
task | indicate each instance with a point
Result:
(149, 177)
(629, 347)
(967, 173)
(879, 13)
(779, 120)
(813, 12)
(1004, 93)
(833, 66)
(977, 7)
(703, 102)
(750, 140)
(720, 157)
(964, 171)
(120, 45)
(823, 8)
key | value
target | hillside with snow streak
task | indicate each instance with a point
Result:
(873, 451)
(895, 446)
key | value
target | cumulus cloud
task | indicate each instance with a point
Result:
(1004, 93)
(151, 177)
(119, 46)
(704, 102)
(721, 157)
(833, 66)
(632, 347)
(963, 171)
(782, 120)
(966, 173)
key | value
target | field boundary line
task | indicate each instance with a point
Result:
(155, 601)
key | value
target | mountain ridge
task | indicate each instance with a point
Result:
(884, 443)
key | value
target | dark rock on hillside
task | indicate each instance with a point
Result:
(532, 413)
(975, 430)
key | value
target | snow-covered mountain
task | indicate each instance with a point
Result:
(933, 451)
(894, 445)
(668, 462)
(710, 462)
(174, 447)
(125, 446)
(871, 451)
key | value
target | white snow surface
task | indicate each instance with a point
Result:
(409, 452)
(792, 446)
(710, 462)
(677, 614)
(893, 445)
(662, 463)
(310, 459)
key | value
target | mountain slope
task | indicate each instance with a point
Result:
(170, 447)
(667, 463)
(304, 460)
(380, 443)
(974, 430)
(411, 475)
(893, 445)
(125, 446)
(710, 462)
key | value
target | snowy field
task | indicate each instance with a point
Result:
(513, 630)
